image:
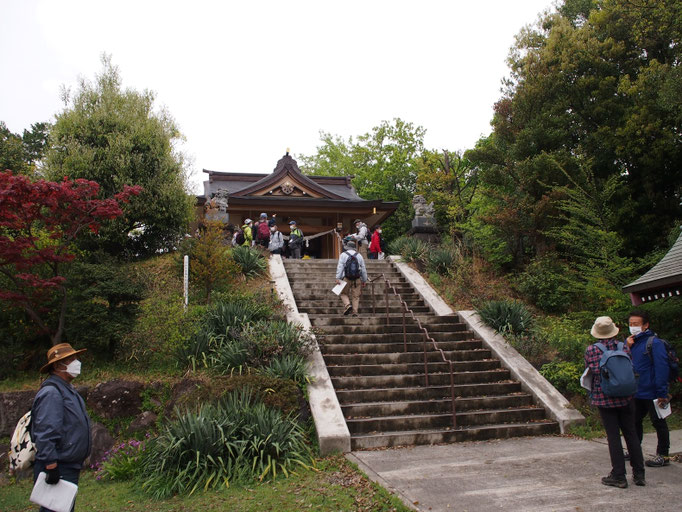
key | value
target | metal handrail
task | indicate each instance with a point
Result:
(406, 309)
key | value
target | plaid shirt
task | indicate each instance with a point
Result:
(592, 358)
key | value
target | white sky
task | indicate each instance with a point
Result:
(245, 80)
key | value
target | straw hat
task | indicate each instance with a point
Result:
(604, 328)
(59, 352)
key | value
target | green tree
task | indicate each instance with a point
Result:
(598, 80)
(115, 137)
(383, 163)
(211, 265)
(449, 181)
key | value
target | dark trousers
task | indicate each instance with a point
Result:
(373, 255)
(615, 421)
(644, 407)
(69, 474)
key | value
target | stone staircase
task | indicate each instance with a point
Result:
(381, 387)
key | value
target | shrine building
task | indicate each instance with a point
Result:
(322, 206)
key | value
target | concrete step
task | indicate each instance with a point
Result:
(350, 326)
(363, 309)
(332, 300)
(442, 405)
(435, 379)
(370, 320)
(397, 348)
(404, 357)
(433, 392)
(371, 370)
(448, 435)
(465, 418)
(391, 337)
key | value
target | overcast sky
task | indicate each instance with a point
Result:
(246, 80)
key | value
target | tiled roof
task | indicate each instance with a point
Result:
(666, 272)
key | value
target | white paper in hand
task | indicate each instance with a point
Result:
(339, 288)
(586, 379)
(58, 497)
(662, 412)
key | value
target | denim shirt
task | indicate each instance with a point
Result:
(60, 425)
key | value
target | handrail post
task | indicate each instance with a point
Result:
(452, 396)
(426, 364)
(387, 319)
(404, 304)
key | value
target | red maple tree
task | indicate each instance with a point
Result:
(39, 223)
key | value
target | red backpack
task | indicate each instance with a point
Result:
(263, 230)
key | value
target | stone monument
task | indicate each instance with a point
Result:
(216, 207)
(424, 223)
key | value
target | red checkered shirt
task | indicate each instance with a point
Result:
(592, 358)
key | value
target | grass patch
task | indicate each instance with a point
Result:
(335, 485)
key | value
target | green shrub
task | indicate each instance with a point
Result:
(532, 347)
(564, 375)
(396, 246)
(546, 284)
(250, 261)
(293, 367)
(506, 316)
(122, 462)
(441, 260)
(566, 336)
(237, 439)
(415, 250)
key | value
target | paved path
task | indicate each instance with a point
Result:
(524, 474)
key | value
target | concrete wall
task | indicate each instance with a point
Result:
(544, 394)
(332, 432)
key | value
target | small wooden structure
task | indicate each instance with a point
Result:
(320, 205)
(662, 281)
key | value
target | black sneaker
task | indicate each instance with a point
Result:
(639, 480)
(626, 455)
(355, 314)
(348, 310)
(658, 461)
(621, 483)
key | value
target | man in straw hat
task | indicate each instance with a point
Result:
(60, 425)
(617, 413)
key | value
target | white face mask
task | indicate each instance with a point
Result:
(73, 368)
(635, 330)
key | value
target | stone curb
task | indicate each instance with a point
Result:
(332, 432)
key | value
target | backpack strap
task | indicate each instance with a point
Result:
(620, 346)
(601, 347)
(650, 348)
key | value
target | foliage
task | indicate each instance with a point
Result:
(442, 259)
(449, 181)
(564, 375)
(39, 224)
(383, 163)
(547, 282)
(596, 83)
(237, 439)
(211, 263)
(250, 260)
(396, 245)
(532, 346)
(21, 154)
(506, 316)
(222, 317)
(568, 336)
(414, 250)
(103, 304)
(122, 462)
(115, 137)
(293, 367)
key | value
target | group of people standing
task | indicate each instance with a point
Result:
(265, 233)
(625, 414)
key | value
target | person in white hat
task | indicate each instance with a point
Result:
(617, 413)
(60, 424)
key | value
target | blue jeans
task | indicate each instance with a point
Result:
(70, 474)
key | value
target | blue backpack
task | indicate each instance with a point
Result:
(673, 360)
(618, 376)
(352, 268)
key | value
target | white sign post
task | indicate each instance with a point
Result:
(186, 280)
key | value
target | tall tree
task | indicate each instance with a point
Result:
(598, 81)
(383, 163)
(39, 224)
(116, 137)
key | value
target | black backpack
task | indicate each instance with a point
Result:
(352, 268)
(673, 360)
(239, 239)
